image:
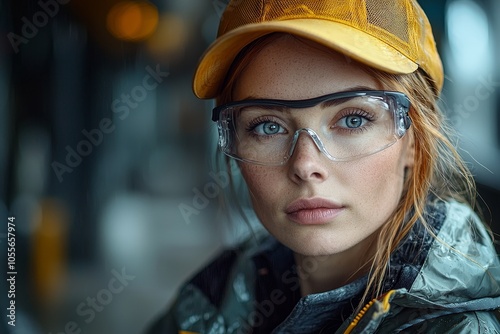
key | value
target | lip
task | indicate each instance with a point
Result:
(313, 211)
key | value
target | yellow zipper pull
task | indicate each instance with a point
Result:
(385, 304)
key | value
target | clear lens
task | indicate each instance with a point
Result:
(266, 131)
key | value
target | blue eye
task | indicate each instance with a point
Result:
(268, 128)
(353, 121)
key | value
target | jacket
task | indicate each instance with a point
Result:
(443, 284)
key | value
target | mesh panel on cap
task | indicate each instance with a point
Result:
(394, 21)
(371, 16)
(244, 12)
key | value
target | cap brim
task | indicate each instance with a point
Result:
(356, 44)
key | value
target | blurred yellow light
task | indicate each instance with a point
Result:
(132, 20)
(163, 43)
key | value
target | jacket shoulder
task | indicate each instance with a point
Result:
(481, 322)
(462, 253)
(212, 280)
(207, 291)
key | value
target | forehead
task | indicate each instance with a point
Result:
(292, 69)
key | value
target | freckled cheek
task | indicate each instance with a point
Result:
(376, 181)
(264, 187)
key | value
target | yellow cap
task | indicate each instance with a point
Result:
(390, 35)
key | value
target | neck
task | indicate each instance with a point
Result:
(327, 272)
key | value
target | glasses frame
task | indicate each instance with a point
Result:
(402, 120)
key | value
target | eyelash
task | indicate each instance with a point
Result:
(258, 121)
(344, 113)
(356, 112)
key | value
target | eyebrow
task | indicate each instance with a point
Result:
(324, 104)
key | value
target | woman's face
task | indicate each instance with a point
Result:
(311, 204)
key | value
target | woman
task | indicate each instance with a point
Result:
(328, 108)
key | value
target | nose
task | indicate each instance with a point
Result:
(307, 161)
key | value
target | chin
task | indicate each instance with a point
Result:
(316, 245)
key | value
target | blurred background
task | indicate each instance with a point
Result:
(106, 155)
